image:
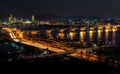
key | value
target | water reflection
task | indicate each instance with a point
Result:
(100, 35)
(91, 35)
(61, 35)
(72, 35)
(82, 35)
(114, 36)
(108, 35)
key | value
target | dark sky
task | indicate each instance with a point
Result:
(60, 7)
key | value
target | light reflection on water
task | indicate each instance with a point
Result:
(82, 35)
(100, 34)
(61, 35)
(107, 36)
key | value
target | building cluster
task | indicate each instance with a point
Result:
(61, 21)
(13, 20)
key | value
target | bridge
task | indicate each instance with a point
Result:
(18, 34)
(77, 53)
(102, 27)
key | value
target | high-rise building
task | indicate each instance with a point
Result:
(12, 20)
(33, 18)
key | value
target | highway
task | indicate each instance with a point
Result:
(35, 44)
(77, 53)
(42, 45)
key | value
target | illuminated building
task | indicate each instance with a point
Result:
(45, 22)
(27, 22)
(33, 18)
(12, 20)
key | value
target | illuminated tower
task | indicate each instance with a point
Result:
(33, 18)
(10, 18)
(14, 20)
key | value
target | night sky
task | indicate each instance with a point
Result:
(60, 7)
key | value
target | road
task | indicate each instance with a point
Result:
(77, 53)
(35, 44)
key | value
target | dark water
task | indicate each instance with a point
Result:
(107, 36)
(73, 65)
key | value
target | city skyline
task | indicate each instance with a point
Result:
(60, 7)
(37, 36)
